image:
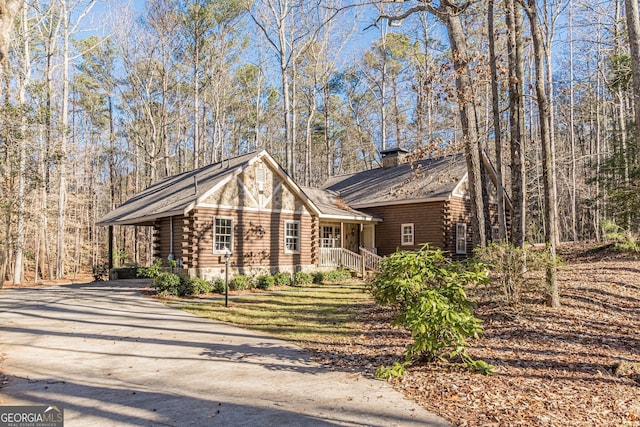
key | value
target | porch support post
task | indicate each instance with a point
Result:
(373, 236)
(342, 234)
(110, 256)
(171, 237)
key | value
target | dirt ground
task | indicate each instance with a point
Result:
(574, 366)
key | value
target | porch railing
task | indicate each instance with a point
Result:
(341, 257)
(330, 257)
(370, 260)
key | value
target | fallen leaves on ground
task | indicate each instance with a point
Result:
(573, 366)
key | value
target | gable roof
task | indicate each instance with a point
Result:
(405, 183)
(178, 194)
(331, 206)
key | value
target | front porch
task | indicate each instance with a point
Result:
(348, 245)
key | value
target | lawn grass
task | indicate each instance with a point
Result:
(323, 314)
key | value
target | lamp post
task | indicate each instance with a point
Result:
(227, 254)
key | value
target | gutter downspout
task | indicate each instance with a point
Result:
(171, 238)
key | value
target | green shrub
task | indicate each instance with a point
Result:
(391, 372)
(150, 272)
(282, 279)
(167, 284)
(195, 286)
(218, 286)
(318, 277)
(302, 278)
(333, 276)
(624, 240)
(427, 290)
(240, 282)
(266, 281)
(337, 275)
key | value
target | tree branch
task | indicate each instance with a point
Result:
(390, 18)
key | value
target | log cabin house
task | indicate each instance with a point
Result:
(249, 208)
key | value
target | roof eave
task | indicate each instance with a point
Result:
(353, 218)
(146, 220)
(401, 202)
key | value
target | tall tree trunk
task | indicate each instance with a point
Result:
(196, 107)
(62, 146)
(466, 105)
(497, 128)
(633, 28)
(551, 223)
(516, 121)
(572, 132)
(8, 11)
(22, 153)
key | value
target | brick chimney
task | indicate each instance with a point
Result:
(393, 157)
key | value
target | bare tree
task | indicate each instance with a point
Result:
(8, 11)
(497, 125)
(551, 220)
(633, 28)
(450, 15)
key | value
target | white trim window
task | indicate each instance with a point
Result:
(222, 234)
(406, 237)
(330, 237)
(461, 238)
(292, 237)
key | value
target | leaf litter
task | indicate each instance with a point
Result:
(573, 366)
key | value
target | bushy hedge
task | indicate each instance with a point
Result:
(218, 286)
(167, 284)
(195, 286)
(150, 272)
(282, 279)
(172, 284)
(302, 278)
(331, 276)
(265, 281)
(240, 282)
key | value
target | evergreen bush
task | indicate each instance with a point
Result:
(218, 286)
(282, 279)
(195, 286)
(240, 282)
(301, 278)
(167, 284)
(150, 272)
(266, 281)
(427, 291)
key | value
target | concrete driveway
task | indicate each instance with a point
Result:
(109, 356)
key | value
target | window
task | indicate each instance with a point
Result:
(222, 234)
(291, 237)
(461, 238)
(330, 237)
(407, 234)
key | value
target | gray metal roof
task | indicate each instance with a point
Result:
(407, 182)
(173, 195)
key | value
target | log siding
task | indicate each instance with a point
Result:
(426, 217)
(258, 242)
